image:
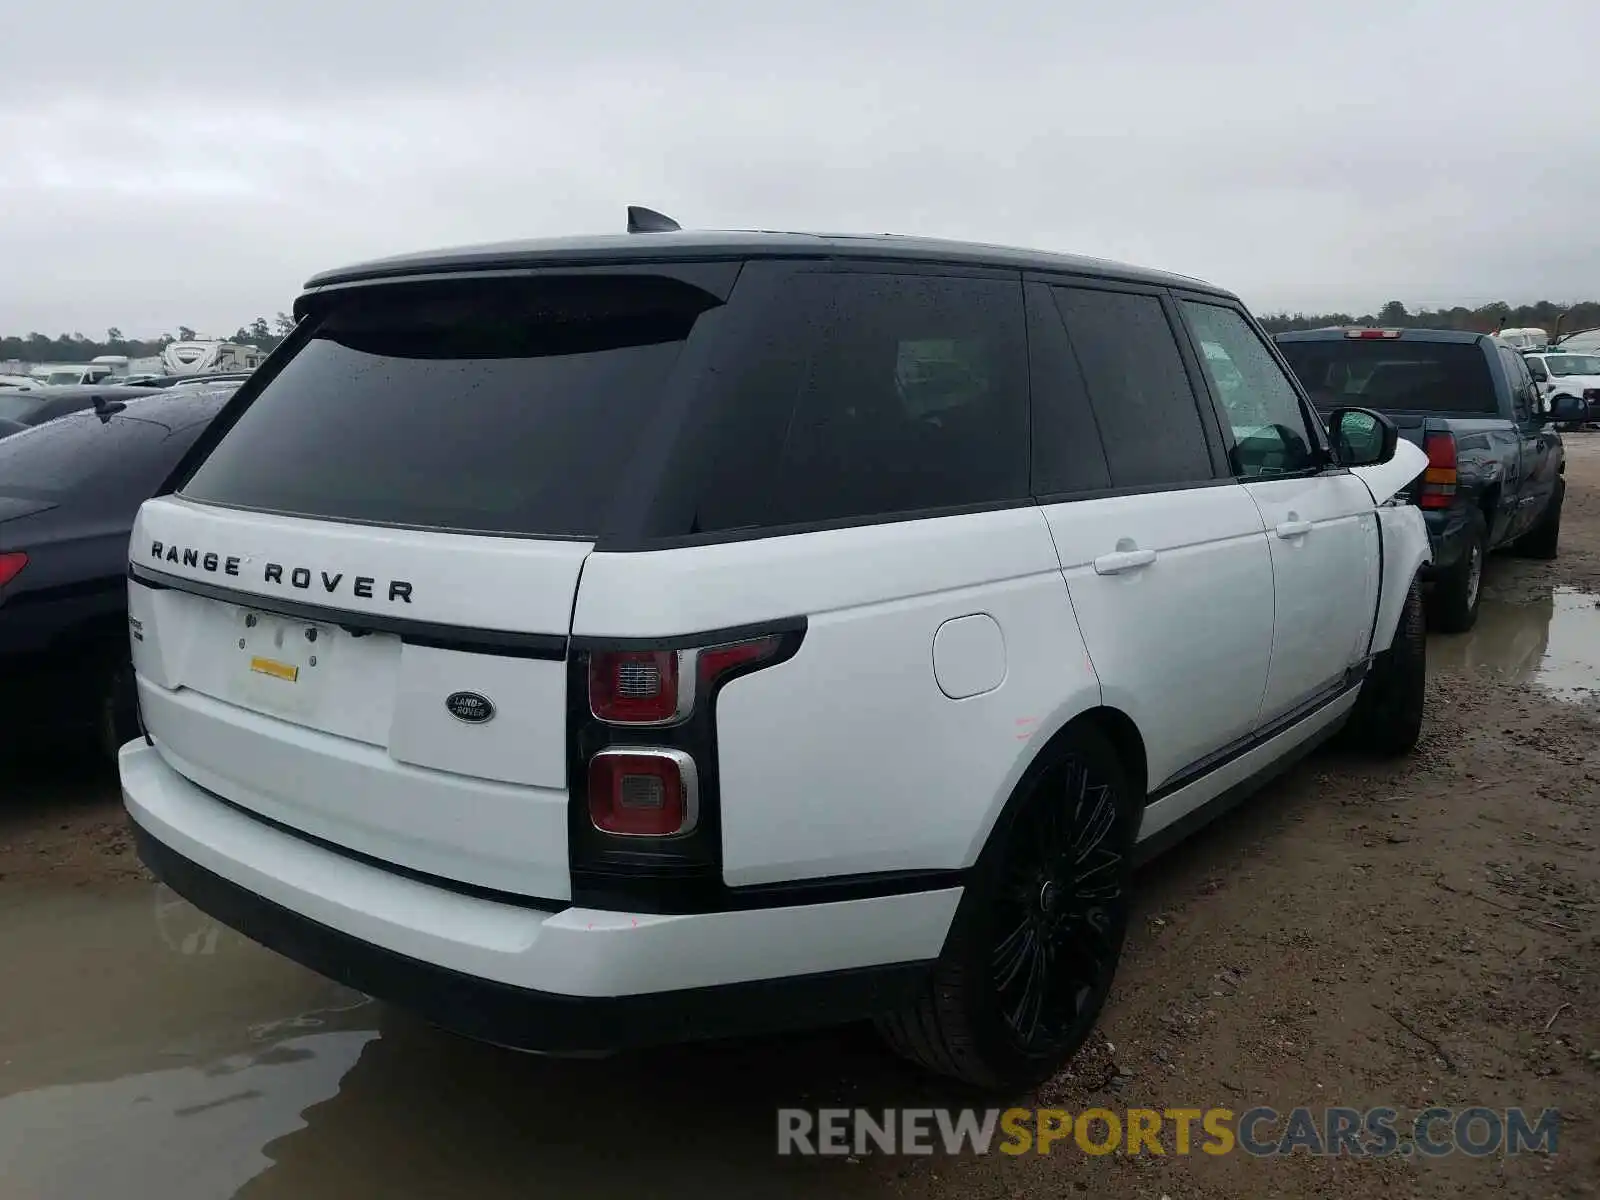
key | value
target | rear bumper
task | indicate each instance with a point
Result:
(572, 981)
(1447, 535)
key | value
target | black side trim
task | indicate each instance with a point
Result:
(698, 640)
(419, 633)
(664, 892)
(1197, 770)
(530, 1020)
(516, 899)
(1189, 823)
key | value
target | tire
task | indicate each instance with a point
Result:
(117, 713)
(1456, 592)
(1542, 540)
(1387, 718)
(1036, 903)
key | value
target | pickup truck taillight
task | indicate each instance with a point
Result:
(1439, 479)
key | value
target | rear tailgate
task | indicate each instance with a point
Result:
(351, 619)
(1419, 379)
(304, 671)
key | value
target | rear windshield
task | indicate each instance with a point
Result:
(1398, 375)
(1572, 364)
(510, 407)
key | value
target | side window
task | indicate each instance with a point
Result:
(872, 395)
(1522, 396)
(1131, 368)
(1259, 404)
(1067, 454)
(1536, 369)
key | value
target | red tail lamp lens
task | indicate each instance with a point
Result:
(634, 687)
(643, 793)
(1439, 480)
(719, 660)
(11, 566)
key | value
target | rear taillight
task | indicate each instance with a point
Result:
(11, 564)
(1439, 479)
(639, 687)
(643, 793)
(716, 662)
(645, 830)
(658, 687)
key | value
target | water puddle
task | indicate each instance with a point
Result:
(1552, 643)
(147, 1051)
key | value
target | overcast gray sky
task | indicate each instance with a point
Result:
(166, 163)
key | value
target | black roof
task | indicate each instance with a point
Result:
(679, 246)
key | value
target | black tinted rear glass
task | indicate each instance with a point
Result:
(1133, 371)
(498, 407)
(866, 395)
(1394, 375)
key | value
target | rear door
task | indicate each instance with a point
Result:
(1165, 560)
(352, 616)
(1320, 521)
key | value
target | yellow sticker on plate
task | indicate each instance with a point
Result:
(274, 668)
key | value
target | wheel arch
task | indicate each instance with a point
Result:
(1112, 723)
(1405, 550)
(1489, 503)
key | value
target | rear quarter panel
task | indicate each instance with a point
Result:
(850, 757)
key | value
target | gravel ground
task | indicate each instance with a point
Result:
(1361, 934)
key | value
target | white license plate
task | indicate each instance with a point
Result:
(281, 661)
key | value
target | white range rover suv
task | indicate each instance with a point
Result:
(622, 640)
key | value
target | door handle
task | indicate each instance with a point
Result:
(1292, 528)
(1120, 561)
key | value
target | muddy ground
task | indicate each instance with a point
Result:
(1360, 934)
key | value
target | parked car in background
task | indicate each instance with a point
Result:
(35, 406)
(1584, 341)
(623, 640)
(69, 490)
(72, 374)
(167, 381)
(1566, 373)
(18, 381)
(1495, 463)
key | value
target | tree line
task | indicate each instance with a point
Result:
(1483, 319)
(75, 347)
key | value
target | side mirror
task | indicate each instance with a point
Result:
(1361, 437)
(1567, 408)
